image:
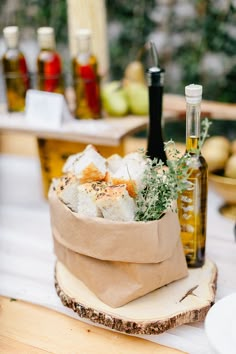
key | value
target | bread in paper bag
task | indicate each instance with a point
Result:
(118, 261)
(117, 258)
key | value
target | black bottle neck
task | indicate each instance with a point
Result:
(155, 148)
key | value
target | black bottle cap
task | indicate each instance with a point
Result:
(155, 75)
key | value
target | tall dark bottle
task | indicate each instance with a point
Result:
(155, 79)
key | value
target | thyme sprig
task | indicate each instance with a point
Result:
(163, 184)
(205, 124)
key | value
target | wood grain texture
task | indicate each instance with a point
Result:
(31, 329)
(183, 301)
(9, 345)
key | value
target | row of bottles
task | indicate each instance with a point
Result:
(49, 76)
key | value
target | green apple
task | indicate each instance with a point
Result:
(114, 99)
(137, 96)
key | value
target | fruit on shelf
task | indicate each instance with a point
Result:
(120, 98)
(230, 167)
(134, 72)
(233, 146)
(216, 151)
(137, 97)
(114, 99)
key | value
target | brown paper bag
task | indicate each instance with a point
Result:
(141, 242)
(118, 261)
(117, 283)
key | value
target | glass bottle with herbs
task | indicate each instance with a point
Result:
(86, 78)
(192, 203)
(49, 65)
(15, 71)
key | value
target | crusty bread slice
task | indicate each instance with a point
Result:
(116, 204)
(87, 166)
(87, 195)
(130, 173)
(67, 190)
(68, 167)
(114, 162)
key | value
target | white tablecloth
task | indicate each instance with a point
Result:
(26, 249)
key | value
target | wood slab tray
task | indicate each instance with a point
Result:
(183, 301)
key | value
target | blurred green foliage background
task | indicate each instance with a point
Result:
(196, 40)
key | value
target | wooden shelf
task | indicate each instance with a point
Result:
(108, 131)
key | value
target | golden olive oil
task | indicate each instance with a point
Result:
(15, 71)
(192, 203)
(192, 206)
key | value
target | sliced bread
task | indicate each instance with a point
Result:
(67, 190)
(116, 204)
(130, 173)
(87, 166)
(87, 196)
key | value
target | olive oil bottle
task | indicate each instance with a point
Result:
(15, 71)
(192, 203)
(86, 78)
(49, 65)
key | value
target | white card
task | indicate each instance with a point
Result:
(46, 109)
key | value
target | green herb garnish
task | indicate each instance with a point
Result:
(205, 124)
(162, 185)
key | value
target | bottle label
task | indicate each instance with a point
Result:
(46, 109)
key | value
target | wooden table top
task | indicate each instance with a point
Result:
(27, 273)
(27, 328)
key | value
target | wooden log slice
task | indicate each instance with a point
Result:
(183, 301)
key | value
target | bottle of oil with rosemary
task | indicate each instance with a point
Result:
(49, 65)
(15, 71)
(192, 203)
(86, 78)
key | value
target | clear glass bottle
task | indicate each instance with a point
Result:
(49, 65)
(192, 203)
(15, 71)
(86, 78)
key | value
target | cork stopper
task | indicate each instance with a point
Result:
(83, 33)
(46, 39)
(11, 36)
(83, 36)
(193, 93)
